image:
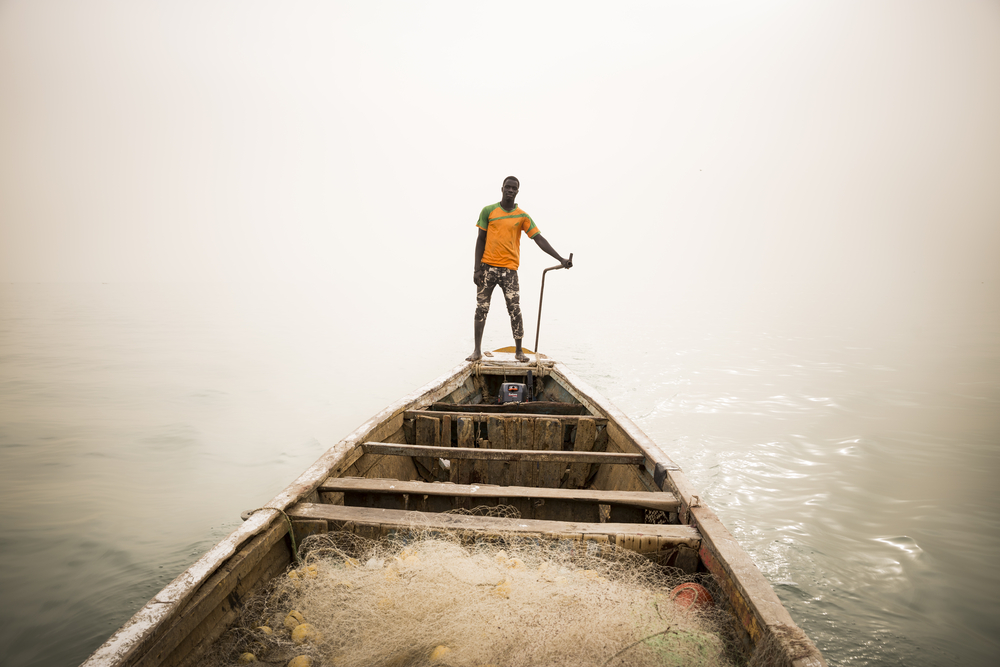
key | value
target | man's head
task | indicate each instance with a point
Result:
(509, 190)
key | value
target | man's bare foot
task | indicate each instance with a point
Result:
(475, 356)
(519, 356)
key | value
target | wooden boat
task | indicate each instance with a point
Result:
(575, 466)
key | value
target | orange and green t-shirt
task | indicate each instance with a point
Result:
(503, 234)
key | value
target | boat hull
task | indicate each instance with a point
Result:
(182, 621)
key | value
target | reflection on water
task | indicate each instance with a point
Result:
(138, 423)
(859, 478)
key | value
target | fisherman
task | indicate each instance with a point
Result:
(498, 254)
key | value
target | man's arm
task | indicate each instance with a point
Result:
(544, 245)
(477, 271)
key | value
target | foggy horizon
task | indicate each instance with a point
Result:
(773, 151)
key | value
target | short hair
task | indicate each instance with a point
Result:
(512, 178)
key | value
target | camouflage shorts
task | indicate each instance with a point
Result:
(507, 280)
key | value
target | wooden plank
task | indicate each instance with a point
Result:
(687, 559)
(512, 469)
(467, 389)
(362, 463)
(372, 465)
(461, 468)
(601, 441)
(445, 431)
(549, 437)
(392, 467)
(658, 501)
(304, 529)
(616, 477)
(648, 537)
(483, 417)
(445, 441)
(481, 454)
(366, 498)
(332, 498)
(389, 430)
(530, 408)
(527, 471)
(350, 458)
(496, 432)
(428, 432)
(479, 466)
(586, 432)
(627, 513)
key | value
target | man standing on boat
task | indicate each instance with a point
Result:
(498, 254)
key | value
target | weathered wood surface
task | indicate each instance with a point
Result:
(639, 537)
(586, 432)
(379, 466)
(461, 470)
(482, 415)
(498, 468)
(428, 433)
(481, 454)
(549, 438)
(445, 431)
(567, 411)
(528, 472)
(303, 529)
(655, 501)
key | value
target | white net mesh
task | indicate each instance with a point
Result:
(423, 597)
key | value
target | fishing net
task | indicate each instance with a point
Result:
(423, 597)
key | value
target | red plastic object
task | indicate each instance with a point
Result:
(691, 596)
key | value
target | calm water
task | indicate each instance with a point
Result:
(136, 422)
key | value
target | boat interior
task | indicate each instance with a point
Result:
(549, 457)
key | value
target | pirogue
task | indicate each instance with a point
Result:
(573, 466)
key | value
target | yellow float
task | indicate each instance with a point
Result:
(305, 632)
(293, 619)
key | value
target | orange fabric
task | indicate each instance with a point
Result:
(503, 235)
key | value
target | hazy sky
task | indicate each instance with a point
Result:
(807, 148)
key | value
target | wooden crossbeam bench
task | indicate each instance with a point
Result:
(479, 454)
(675, 545)
(484, 416)
(533, 408)
(531, 502)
